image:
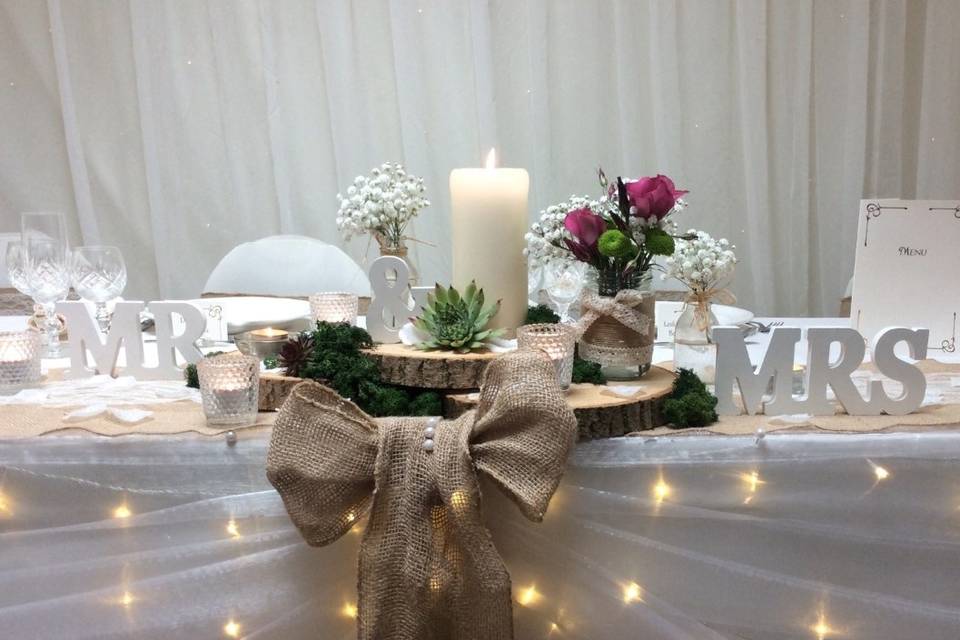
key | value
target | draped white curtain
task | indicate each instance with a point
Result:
(178, 129)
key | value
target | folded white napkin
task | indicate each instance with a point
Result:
(127, 416)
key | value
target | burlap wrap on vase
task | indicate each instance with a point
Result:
(428, 569)
(618, 331)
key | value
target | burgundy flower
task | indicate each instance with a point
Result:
(586, 226)
(653, 197)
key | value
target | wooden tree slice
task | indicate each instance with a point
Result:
(603, 411)
(274, 389)
(410, 367)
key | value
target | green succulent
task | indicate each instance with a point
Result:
(615, 244)
(658, 242)
(457, 323)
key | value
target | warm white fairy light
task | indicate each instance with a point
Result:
(351, 516)
(460, 500)
(822, 629)
(232, 629)
(126, 599)
(661, 490)
(880, 472)
(632, 592)
(6, 505)
(349, 609)
(122, 511)
(528, 596)
(752, 481)
(233, 529)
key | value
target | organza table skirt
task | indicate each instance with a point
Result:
(818, 536)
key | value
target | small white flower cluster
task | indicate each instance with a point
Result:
(702, 262)
(383, 202)
(549, 231)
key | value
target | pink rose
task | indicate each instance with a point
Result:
(586, 226)
(652, 197)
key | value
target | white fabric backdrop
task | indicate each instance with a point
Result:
(178, 129)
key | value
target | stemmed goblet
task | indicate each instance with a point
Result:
(16, 270)
(563, 283)
(46, 268)
(99, 275)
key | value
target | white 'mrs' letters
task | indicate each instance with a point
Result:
(733, 365)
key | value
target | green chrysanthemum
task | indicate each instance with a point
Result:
(658, 242)
(615, 244)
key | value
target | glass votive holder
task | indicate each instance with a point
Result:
(20, 353)
(229, 388)
(557, 340)
(334, 307)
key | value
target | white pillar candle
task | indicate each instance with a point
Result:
(489, 220)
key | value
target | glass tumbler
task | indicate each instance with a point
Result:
(334, 307)
(20, 353)
(229, 388)
(557, 340)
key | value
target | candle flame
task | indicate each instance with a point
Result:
(492, 159)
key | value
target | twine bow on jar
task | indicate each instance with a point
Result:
(428, 569)
(621, 308)
(701, 299)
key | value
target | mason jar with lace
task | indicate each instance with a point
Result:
(618, 323)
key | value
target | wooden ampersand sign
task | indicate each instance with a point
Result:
(394, 299)
(733, 365)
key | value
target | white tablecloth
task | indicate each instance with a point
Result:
(177, 537)
(797, 536)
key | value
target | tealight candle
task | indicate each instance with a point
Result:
(229, 388)
(334, 306)
(557, 340)
(262, 343)
(19, 359)
(269, 333)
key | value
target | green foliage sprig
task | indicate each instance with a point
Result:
(190, 372)
(584, 371)
(690, 404)
(541, 314)
(332, 354)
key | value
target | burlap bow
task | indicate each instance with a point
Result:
(621, 308)
(428, 569)
(702, 298)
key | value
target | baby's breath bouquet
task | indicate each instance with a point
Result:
(381, 204)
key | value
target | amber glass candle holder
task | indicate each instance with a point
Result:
(229, 388)
(557, 340)
(334, 307)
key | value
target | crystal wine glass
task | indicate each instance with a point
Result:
(15, 267)
(99, 275)
(46, 268)
(564, 283)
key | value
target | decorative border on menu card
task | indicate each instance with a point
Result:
(947, 345)
(956, 210)
(874, 209)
